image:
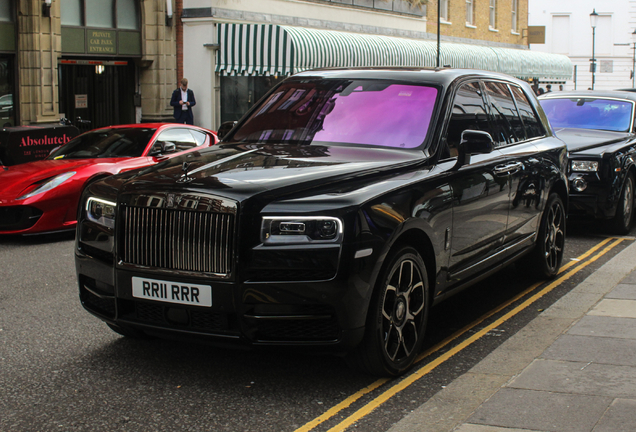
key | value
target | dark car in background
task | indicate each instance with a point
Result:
(598, 128)
(340, 208)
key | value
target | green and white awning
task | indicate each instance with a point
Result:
(265, 49)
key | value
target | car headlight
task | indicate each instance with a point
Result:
(301, 230)
(49, 184)
(101, 212)
(584, 166)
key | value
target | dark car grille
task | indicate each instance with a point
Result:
(18, 217)
(178, 239)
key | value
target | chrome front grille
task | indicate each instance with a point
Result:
(177, 239)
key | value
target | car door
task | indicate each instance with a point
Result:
(522, 160)
(481, 195)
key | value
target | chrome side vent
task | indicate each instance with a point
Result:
(176, 239)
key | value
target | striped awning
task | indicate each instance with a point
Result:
(265, 49)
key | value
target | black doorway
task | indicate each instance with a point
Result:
(101, 95)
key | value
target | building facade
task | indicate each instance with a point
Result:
(104, 61)
(568, 31)
(234, 51)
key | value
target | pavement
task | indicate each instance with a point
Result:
(573, 368)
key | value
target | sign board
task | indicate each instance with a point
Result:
(536, 34)
(81, 101)
(101, 41)
(22, 144)
(607, 66)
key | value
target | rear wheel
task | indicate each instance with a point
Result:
(397, 317)
(622, 222)
(548, 253)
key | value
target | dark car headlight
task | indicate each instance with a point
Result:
(281, 230)
(584, 166)
(101, 212)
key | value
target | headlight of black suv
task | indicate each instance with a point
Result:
(101, 211)
(284, 230)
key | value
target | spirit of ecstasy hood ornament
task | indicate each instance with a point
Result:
(184, 177)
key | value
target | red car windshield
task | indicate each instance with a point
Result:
(588, 113)
(359, 112)
(104, 143)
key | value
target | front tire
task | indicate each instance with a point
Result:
(548, 252)
(622, 222)
(397, 317)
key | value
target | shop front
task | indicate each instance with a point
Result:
(97, 73)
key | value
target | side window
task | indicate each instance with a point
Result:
(531, 121)
(469, 112)
(181, 138)
(507, 127)
(199, 137)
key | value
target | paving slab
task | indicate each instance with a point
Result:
(615, 308)
(630, 278)
(604, 326)
(450, 407)
(467, 427)
(519, 351)
(573, 305)
(620, 417)
(541, 410)
(603, 350)
(623, 291)
(578, 378)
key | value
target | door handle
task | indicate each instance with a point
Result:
(508, 169)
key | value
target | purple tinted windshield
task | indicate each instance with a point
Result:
(589, 113)
(367, 112)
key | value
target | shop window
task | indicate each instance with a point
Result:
(240, 93)
(71, 11)
(7, 108)
(127, 17)
(5, 11)
(99, 13)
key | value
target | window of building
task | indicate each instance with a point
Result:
(470, 12)
(493, 14)
(443, 10)
(5, 11)
(121, 14)
(515, 5)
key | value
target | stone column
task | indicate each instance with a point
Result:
(39, 47)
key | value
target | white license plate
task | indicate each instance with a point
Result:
(172, 292)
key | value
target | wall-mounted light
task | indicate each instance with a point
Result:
(99, 69)
(169, 13)
(46, 8)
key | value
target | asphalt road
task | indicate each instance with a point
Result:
(61, 369)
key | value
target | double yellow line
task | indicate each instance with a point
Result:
(428, 367)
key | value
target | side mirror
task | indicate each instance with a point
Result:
(225, 128)
(162, 148)
(473, 142)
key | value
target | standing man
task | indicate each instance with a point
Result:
(183, 100)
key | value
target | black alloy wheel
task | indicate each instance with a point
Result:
(622, 222)
(397, 316)
(548, 252)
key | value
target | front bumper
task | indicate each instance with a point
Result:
(324, 314)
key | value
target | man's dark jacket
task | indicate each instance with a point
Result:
(181, 115)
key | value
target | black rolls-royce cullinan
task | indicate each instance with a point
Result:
(334, 214)
(598, 129)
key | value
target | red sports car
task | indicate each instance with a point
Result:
(41, 196)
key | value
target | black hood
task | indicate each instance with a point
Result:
(585, 139)
(239, 171)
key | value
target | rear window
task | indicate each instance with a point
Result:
(589, 113)
(342, 112)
